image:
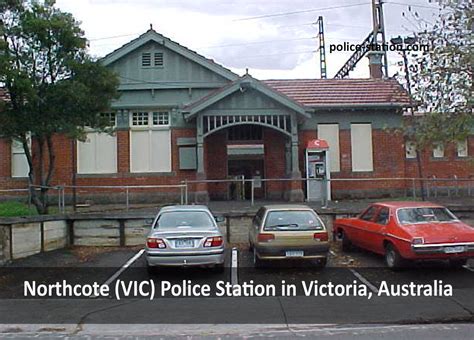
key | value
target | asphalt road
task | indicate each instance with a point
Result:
(278, 316)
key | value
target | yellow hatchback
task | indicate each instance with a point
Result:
(288, 232)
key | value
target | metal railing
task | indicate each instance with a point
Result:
(433, 187)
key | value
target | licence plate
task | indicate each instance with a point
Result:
(294, 253)
(452, 250)
(184, 243)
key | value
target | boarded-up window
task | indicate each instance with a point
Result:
(410, 150)
(97, 154)
(361, 145)
(330, 133)
(19, 163)
(462, 148)
(438, 150)
(150, 150)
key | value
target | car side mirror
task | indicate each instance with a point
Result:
(219, 219)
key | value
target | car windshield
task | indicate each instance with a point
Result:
(292, 220)
(425, 215)
(184, 219)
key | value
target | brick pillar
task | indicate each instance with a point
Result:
(123, 151)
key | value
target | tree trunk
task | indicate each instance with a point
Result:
(40, 197)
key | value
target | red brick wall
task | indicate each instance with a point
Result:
(448, 167)
(388, 155)
(215, 163)
(388, 162)
(275, 166)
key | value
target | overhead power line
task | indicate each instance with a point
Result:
(115, 37)
(408, 4)
(276, 54)
(302, 11)
(256, 42)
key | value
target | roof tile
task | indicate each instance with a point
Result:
(342, 92)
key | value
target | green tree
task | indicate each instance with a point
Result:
(441, 78)
(54, 87)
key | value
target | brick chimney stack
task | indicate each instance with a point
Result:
(375, 64)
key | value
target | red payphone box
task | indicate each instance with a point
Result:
(318, 172)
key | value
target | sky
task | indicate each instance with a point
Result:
(281, 44)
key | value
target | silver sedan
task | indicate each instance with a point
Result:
(185, 235)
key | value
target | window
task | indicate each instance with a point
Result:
(158, 59)
(161, 118)
(382, 217)
(146, 59)
(462, 148)
(425, 215)
(140, 118)
(286, 220)
(438, 150)
(361, 142)
(150, 142)
(245, 132)
(19, 163)
(330, 133)
(111, 117)
(369, 214)
(410, 150)
(150, 151)
(97, 154)
(188, 219)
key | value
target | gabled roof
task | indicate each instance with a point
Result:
(343, 92)
(152, 35)
(244, 82)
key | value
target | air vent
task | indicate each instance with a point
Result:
(146, 59)
(158, 59)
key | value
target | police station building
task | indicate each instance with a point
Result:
(182, 117)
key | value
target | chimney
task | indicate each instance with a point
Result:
(375, 64)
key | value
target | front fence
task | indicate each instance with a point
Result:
(246, 189)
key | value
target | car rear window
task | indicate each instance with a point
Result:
(292, 220)
(424, 215)
(184, 219)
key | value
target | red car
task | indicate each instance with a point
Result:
(408, 231)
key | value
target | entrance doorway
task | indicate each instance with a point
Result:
(248, 168)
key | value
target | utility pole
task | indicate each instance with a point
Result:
(376, 36)
(322, 49)
(379, 30)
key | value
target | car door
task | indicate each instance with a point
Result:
(378, 229)
(365, 227)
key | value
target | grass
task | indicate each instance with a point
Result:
(14, 209)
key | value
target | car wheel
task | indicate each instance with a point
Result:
(346, 243)
(256, 261)
(393, 259)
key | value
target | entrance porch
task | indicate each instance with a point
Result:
(247, 129)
